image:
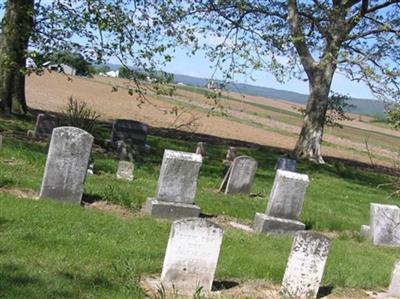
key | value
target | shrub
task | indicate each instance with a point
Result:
(79, 114)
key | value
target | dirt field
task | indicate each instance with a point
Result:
(254, 119)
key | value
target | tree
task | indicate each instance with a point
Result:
(393, 116)
(76, 60)
(16, 28)
(128, 30)
(309, 40)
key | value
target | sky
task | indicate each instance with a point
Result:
(199, 66)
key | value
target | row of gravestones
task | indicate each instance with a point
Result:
(64, 177)
(69, 153)
(128, 137)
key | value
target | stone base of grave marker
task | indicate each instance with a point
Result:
(273, 225)
(170, 210)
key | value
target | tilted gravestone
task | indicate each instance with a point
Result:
(385, 224)
(125, 170)
(286, 164)
(66, 165)
(305, 266)
(201, 149)
(44, 126)
(177, 185)
(192, 255)
(394, 287)
(284, 205)
(240, 176)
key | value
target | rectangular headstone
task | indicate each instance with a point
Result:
(129, 131)
(305, 266)
(45, 124)
(286, 164)
(66, 165)
(394, 287)
(125, 170)
(385, 224)
(192, 255)
(287, 195)
(178, 177)
(241, 175)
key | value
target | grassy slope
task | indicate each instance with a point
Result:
(48, 249)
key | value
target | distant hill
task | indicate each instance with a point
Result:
(362, 106)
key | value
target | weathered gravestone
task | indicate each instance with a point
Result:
(44, 126)
(125, 170)
(192, 255)
(230, 156)
(284, 205)
(128, 137)
(176, 188)
(286, 164)
(239, 176)
(305, 266)
(385, 224)
(201, 149)
(394, 287)
(66, 165)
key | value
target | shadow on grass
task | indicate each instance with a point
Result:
(324, 291)
(223, 285)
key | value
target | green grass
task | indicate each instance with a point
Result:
(55, 250)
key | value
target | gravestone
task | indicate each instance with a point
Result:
(230, 156)
(394, 287)
(192, 255)
(201, 149)
(125, 170)
(1, 141)
(128, 138)
(305, 265)
(44, 126)
(239, 176)
(176, 188)
(66, 165)
(284, 205)
(385, 224)
(286, 164)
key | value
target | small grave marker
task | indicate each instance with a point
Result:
(286, 164)
(201, 149)
(125, 170)
(44, 126)
(385, 224)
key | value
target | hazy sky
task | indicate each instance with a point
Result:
(199, 66)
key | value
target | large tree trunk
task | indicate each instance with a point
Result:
(17, 25)
(309, 143)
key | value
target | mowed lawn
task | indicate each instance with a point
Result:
(56, 250)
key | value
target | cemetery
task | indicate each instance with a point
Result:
(298, 238)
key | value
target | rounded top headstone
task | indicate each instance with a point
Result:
(170, 154)
(292, 175)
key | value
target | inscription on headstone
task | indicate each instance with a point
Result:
(125, 170)
(287, 195)
(305, 266)
(385, 224)
(66, 164)
(240, 176)
(178, 177)
(192, 255)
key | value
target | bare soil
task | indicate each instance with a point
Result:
(244, 121)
